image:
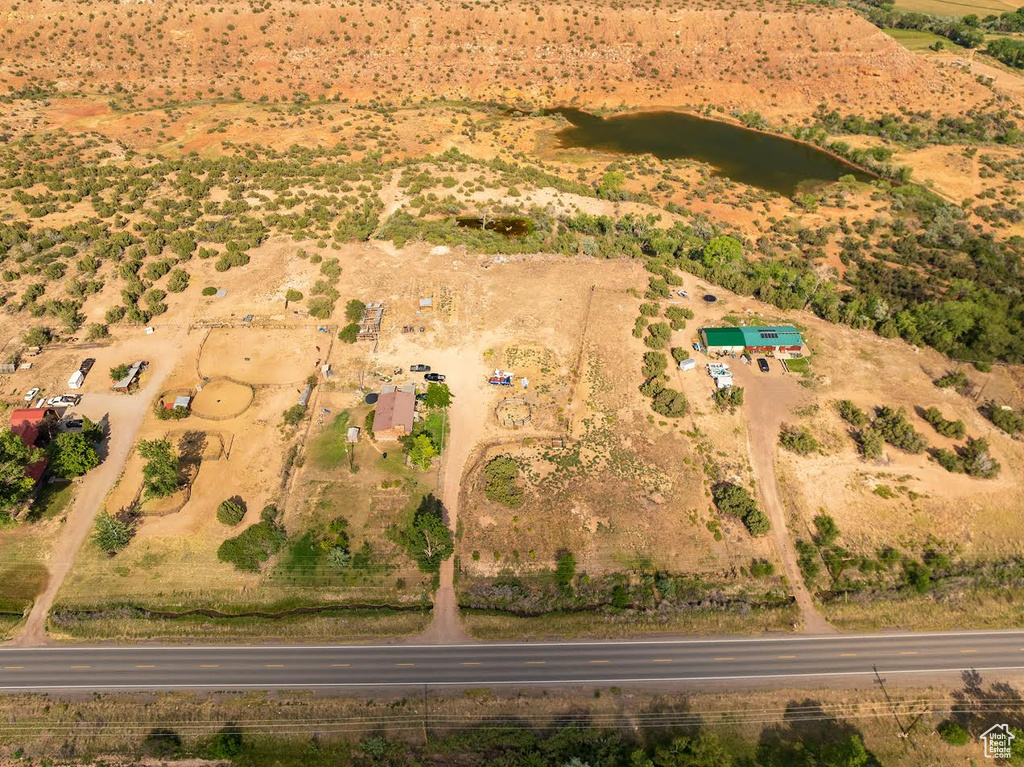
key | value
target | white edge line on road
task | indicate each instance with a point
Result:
(925, 635)
(631, 680)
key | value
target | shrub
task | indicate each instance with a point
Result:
(500, 485)
(229, 259)
(230, 512)
(957, 380)
(954, 734)
(320, 307)
(421, 450)
(115, 314)
(954, 429)
(892, 425)
(658, 335)
(798, 439)
(565, 570)
(736, 500)
(97, 331)
(677, 317)
(852, 414)
(178, 281)
(654, 364)
(292, 295)
(807, 560)
(870, 443)
(976, 460)
(670, 403)
(254, 545)
(293, 415)
(350, 333)
(762, 568)
(728, 398)
(679, 354)
(37, 336)
(649, 310)
(209, 290)
(1004, 418)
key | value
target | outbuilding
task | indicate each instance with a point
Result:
(777, 341)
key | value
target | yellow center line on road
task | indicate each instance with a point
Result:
(339, 665)
(145, 667)
(909, 652)
(787, 657)
(536, 662)
(13, 667)
(847, 655)
(968, 651)
(209, 665)
(726, 658)
(405, 664)
(81, 667)
(600, 661)
(661, 660)
(471, 663)
(275, 665)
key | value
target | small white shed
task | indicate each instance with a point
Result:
(688, 364)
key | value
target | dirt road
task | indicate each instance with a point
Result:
(769, 398)
(126, 413)
(468, 425)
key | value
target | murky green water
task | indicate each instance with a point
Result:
(751, 157)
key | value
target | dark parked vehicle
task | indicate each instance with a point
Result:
(419, 368)
(434, 377)
(86, 365)
(762, 363)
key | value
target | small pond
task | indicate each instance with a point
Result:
(508, 226)
(759, 159)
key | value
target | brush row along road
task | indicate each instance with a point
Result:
(771, 661)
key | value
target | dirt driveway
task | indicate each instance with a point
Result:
(769, 398)
(126, 413)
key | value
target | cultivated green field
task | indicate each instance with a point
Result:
(958, 7)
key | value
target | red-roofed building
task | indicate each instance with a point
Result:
(34, 426)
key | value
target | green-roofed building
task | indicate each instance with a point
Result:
(780, 341)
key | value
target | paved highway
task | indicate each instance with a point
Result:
(782, 660)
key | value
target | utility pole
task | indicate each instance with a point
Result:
(426, 716)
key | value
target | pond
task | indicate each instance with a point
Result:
(759, 159)
(508, 226)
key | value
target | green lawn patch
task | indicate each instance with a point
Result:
(52, 501)
(919, 40)
(801, 365)
(329, 448)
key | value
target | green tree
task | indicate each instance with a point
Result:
(703, 750)
(15, 458)
(565, 570)
(438, 396)
(721, 251)
(160, 474)
(421, 451)
(178, 281)
(654, 364)
(293, 415)
(72, 455)
(230, 512)
(427, 538)
(118, 372)
(292, 295)
(354, 310)
(37, 336)
(350, 333)
(113, 533)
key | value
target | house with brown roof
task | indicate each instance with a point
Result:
(34, 426)
(396, 411)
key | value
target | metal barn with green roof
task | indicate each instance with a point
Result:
(781, 341)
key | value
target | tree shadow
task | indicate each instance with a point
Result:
(977, 706)
(810, 735)
(191, 448)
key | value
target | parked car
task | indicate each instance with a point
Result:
(433, 377)
(419, 368)
(31, 394)
(64, 400)
(76, 380)
(86, 365)
(762, 364)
